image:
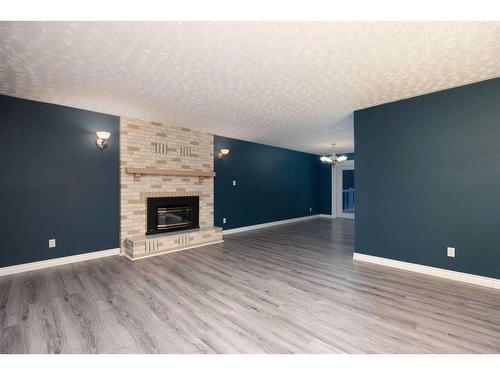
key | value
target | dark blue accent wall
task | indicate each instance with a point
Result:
(55, 182)
(428, 177)
(325, 189)
(325, 193)
(271, 184)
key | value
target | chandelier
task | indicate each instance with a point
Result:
(332, 158)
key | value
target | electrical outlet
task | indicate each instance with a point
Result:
(450, 251)
(234, 182)
(224, 220)
(52, 242)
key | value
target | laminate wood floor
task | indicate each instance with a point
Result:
(286, 289)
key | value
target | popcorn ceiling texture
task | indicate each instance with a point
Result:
(287, 84)
(145, 144)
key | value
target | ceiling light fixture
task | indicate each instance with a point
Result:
(332, 158)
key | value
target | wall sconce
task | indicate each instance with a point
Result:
(222, 152)
(102, 139)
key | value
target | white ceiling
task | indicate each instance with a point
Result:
(291, 84)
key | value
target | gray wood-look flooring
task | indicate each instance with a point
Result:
(286, 289)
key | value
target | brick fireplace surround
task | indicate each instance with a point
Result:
(151, 154)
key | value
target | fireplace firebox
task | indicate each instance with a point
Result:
(168, 214)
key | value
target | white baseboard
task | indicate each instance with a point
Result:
(336, 216)
(432, 271)
(345, 216)
(270, 224)
(57, 261)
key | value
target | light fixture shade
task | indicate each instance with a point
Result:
(103, 135)
(341, 158)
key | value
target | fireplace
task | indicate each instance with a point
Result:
(168, 214)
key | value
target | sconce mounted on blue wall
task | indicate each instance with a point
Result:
(102, 139)
(222, 153)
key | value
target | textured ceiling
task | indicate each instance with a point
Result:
(292, 84)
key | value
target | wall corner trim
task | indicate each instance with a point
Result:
(431, 271)
(18, 268)
(269, 224)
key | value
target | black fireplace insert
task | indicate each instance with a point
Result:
(168, 214)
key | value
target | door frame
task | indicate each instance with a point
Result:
(337, 189)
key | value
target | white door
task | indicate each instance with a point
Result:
(343, 190)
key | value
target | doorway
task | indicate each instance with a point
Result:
(343, 190)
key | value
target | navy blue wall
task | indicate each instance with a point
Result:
(325, 193)
(325, 189)
(428, 177)
(55, 182)
(271, 184)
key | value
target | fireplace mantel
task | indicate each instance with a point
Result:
(168, 172)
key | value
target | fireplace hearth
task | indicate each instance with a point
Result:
(169, 214)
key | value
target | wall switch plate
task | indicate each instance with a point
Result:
(52, 242)
(224, 220)
(450, 251)
(234, 182)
